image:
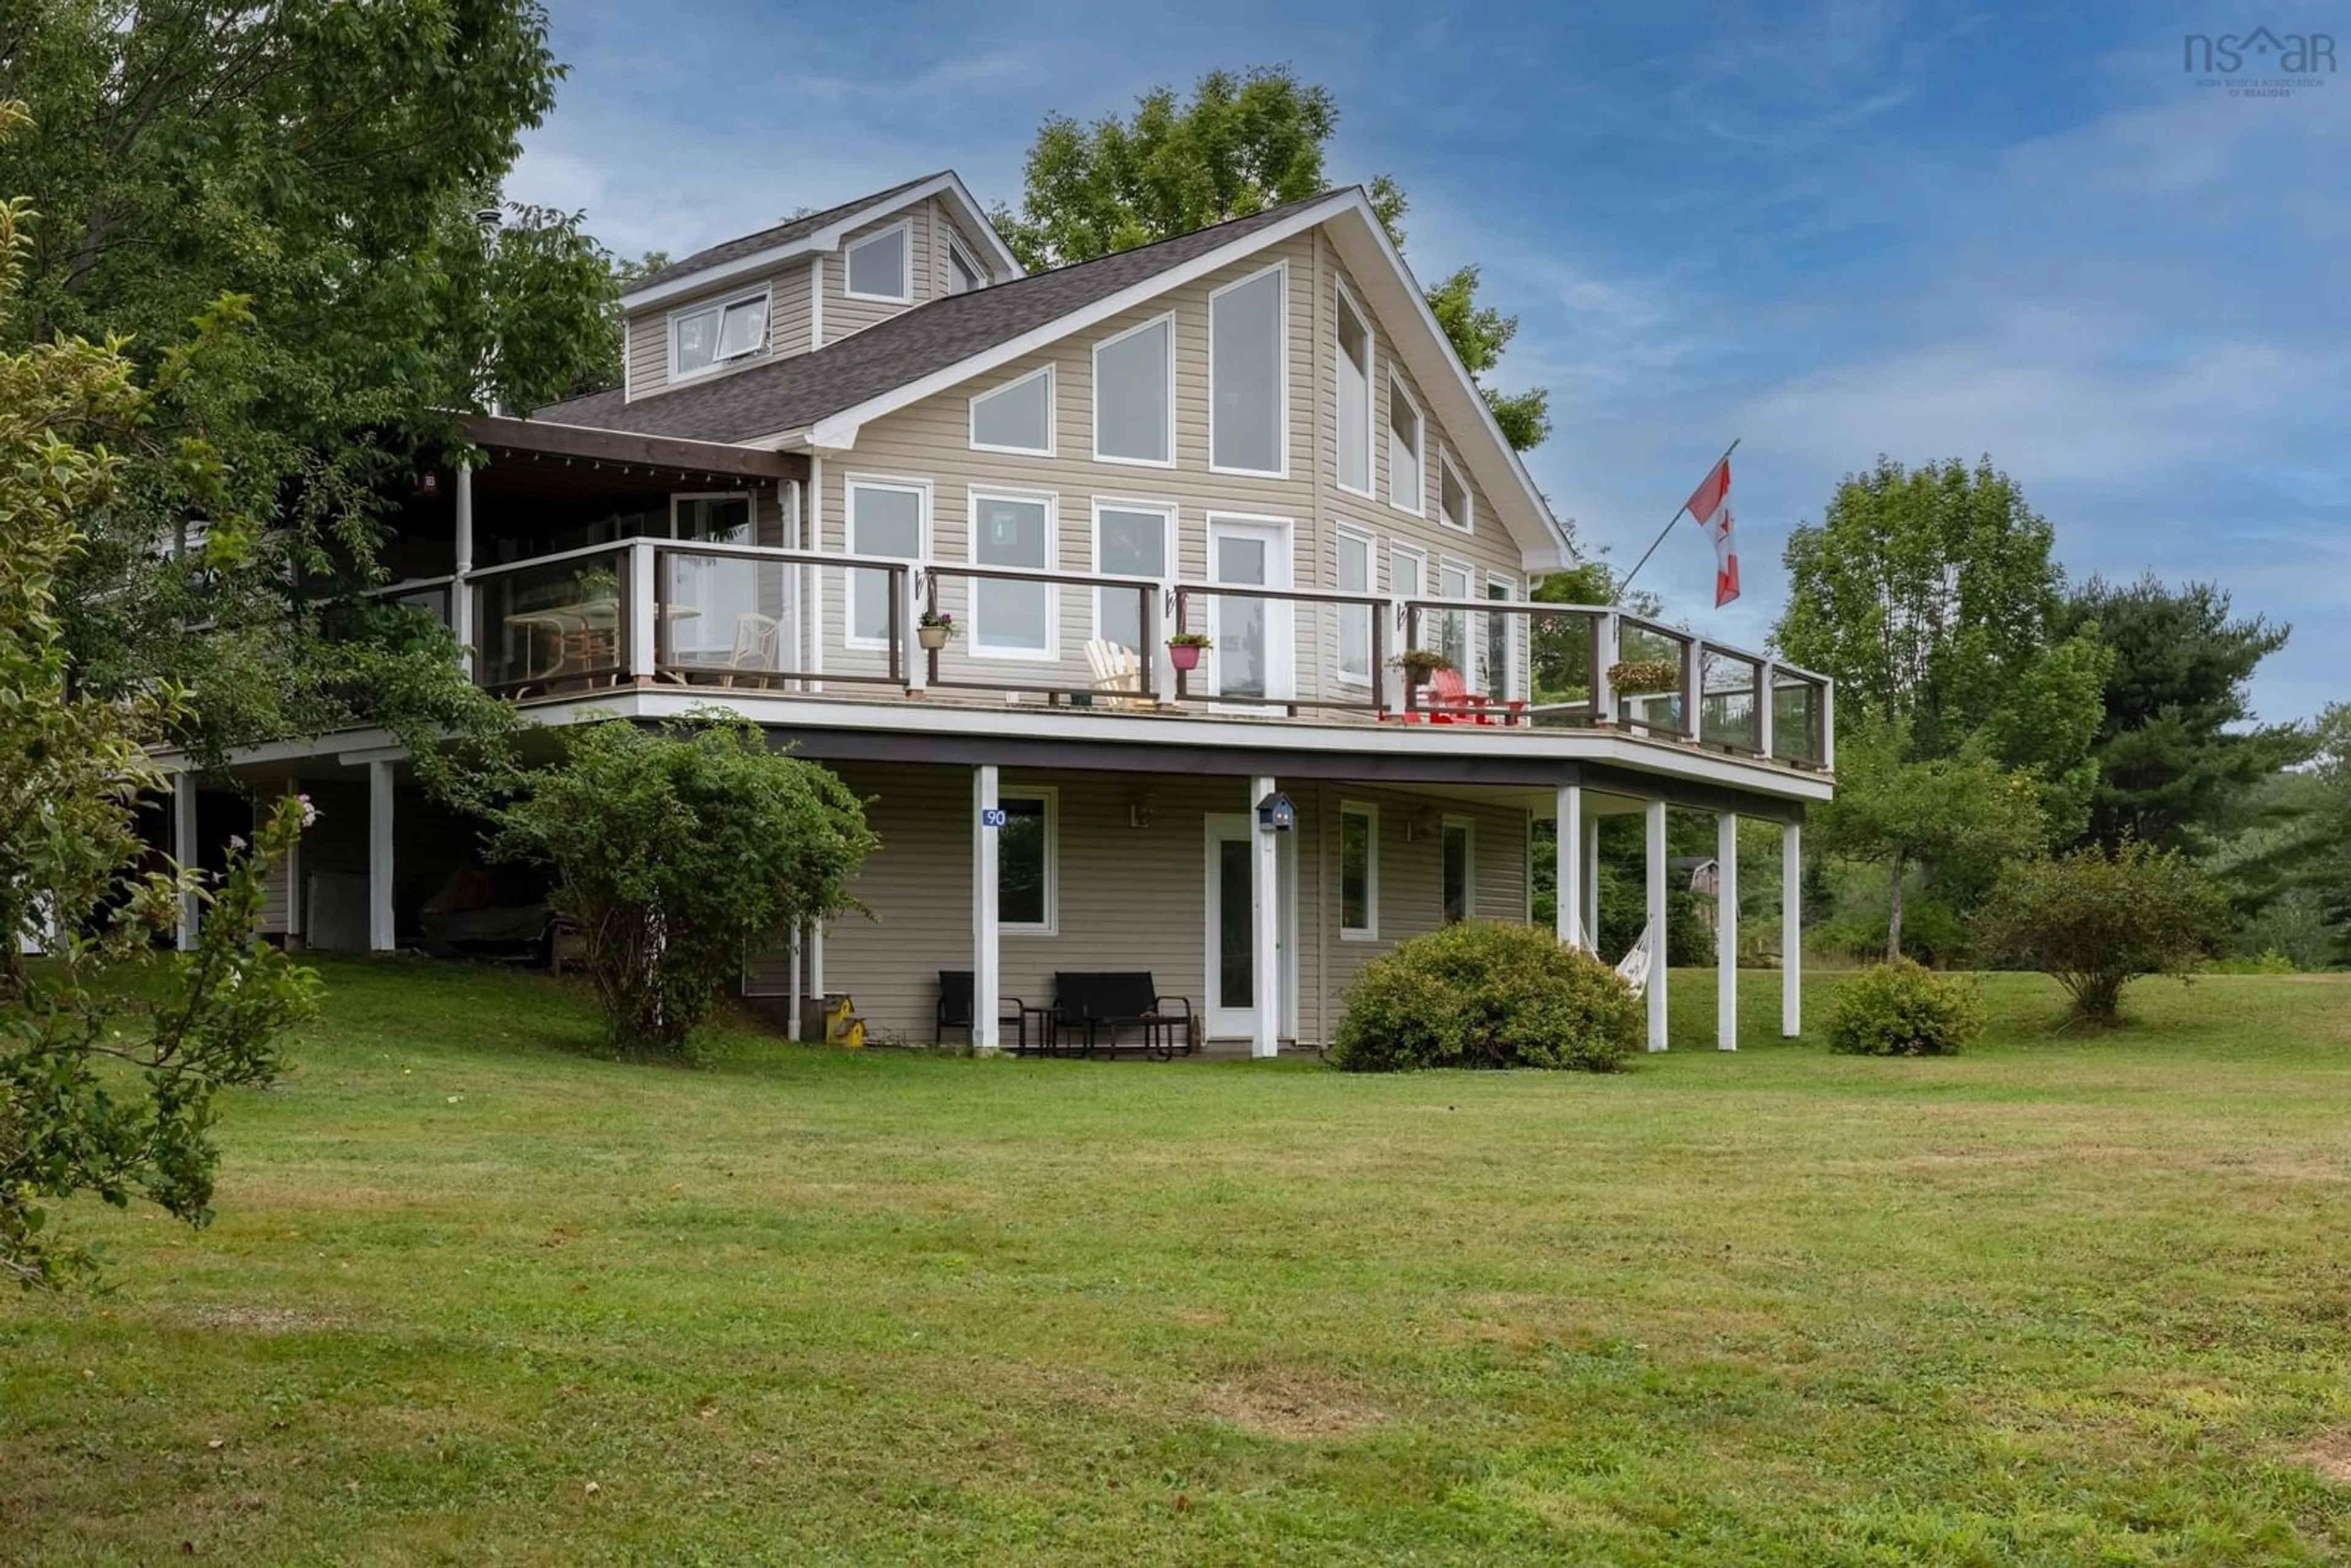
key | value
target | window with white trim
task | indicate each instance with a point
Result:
(963, 272)
(1017, 417)
(1404, 437)
(1012, 620)
(1028, 861)
(1453, 582)
(707, 336)
(876, 266)
(1452, 495)
(1130, 540)
(1458, 855)
(1359, 872)
(885, 518)
(1501, 640)
(1354, 378)
(1134, 395)
(1407, 572)
(1246, 347)
(1355, 546)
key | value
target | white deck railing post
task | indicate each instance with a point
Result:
(1693, 691)
(1828, 725)
(184, 850)
(916, 667)
(461, 597)
(1604, 641)
(1764, 671)
(645, 611)
(1726, 931)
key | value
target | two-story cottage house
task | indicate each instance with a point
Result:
(836, 433)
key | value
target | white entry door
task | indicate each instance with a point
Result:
(1234, 993)
(1254, 655)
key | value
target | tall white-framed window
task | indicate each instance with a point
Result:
(1017, 417)
(963, 272)
(1131, 538)
(1458, 866)
(716, 332)
(1453, 506)
(1028, 860)
(1013, 620)
(709, 596)
(1359, 872)
(1408, 570)
(1502, 635)
(1407, 438)
(1453, 579)
(1248, 375)
(880, 267)
(1354, 360)
(1354, 576)
(886, 518)
(1134, 395)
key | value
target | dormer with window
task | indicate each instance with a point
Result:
(809, 282)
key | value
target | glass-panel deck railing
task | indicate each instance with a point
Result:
(752, 618)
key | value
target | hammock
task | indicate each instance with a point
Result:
(1634, 967)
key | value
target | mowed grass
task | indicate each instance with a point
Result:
(477, 1297)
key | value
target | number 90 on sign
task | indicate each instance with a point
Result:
(991, 817)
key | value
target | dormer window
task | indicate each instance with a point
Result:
(963, 272)
(704, 337)
(877, 267)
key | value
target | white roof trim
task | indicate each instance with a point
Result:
(1002, 261)
(838, 432)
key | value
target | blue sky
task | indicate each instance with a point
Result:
(1831, 230)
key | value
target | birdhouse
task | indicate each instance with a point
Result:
(1275, 814)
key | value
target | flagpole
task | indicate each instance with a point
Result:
(1678, 511)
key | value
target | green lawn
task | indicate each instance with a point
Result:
(476, 1297)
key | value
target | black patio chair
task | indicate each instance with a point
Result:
(955, 988)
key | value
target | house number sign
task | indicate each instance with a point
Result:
(991, 816)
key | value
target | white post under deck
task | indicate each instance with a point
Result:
(1726, 931)
(1792, 945)
(1592, 882)
(1654, 865)
(184, 850)
(461, 597)
(379, 928)
(1567, 865)
(1264, 903)
(986, 975)
(798, 990)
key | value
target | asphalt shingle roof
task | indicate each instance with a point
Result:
(789, 393)
(783, 233)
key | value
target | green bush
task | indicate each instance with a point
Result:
(672, 849)
(1903, 1009)
(2094, 922)
(1485, 995)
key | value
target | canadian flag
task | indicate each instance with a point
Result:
(1710, 505)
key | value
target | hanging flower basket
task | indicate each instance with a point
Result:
(1643, 678)
(1419, 663)
(934, 629)
(1183, 649)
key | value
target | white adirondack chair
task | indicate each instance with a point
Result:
(1118, 674)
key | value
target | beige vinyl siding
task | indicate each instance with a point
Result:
(1127, 897)
(931, 442)
(788, 306)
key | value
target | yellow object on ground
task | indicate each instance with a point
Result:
(843, 1027)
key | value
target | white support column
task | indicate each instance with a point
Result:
(184, 850)
(798, 992)
(297, 916)
(1726, 931)
(641, 614)
(1567, 865)
(985, 937)
(915, 661)
(379, 928)
(1265, 936)
(1792, 935)
(1654, 864)
(1604, 633)
(1592, 880)
(461, 595)
(1763, 738)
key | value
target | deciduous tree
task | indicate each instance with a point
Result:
(1242, 142)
